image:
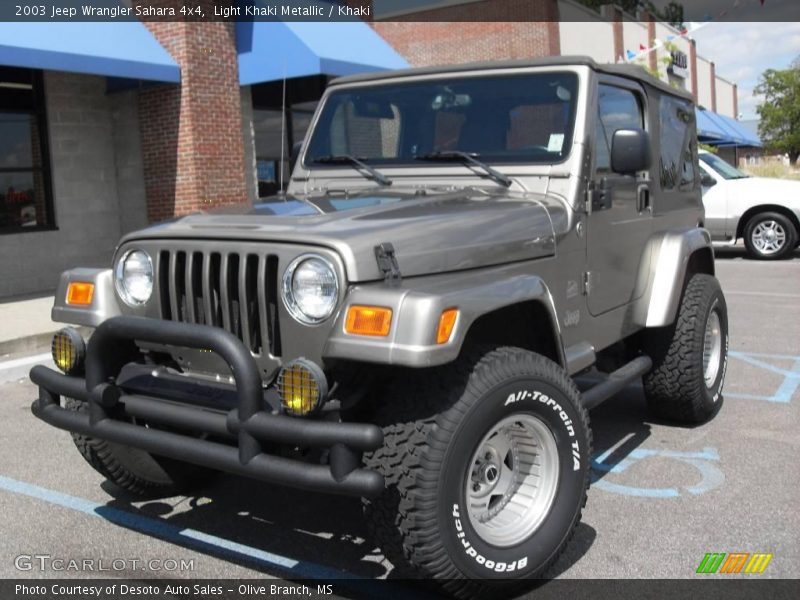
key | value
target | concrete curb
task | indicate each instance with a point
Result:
(33, 344)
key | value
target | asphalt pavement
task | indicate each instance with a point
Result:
(662, 498)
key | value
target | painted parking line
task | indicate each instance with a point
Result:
(216, 546)
(791, 377)
(187, 537)
(703, 461)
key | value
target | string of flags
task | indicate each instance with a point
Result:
(631, 55)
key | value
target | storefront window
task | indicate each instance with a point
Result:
(24, 170)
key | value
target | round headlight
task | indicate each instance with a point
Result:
(310, 289)
(134, 277)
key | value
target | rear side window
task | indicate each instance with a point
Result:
(678, 144)
(618, 109)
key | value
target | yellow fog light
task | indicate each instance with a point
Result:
(302, 387)
(69, 350)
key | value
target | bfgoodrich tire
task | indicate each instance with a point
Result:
(487, 467)
(690, 356)
(135, 470)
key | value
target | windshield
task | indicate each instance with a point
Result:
(502, 119)
(728, 171)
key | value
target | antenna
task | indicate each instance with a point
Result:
(283, 129)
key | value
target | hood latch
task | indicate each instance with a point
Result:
(387, 263)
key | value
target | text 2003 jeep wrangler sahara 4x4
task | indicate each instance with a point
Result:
(404, 324)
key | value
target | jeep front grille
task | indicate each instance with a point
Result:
(235, 291)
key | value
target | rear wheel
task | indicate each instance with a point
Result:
(135, 470)
(690, 356)
(770, 236)
(486, 463)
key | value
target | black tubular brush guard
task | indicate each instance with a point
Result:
(112, 346)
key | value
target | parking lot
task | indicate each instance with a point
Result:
(662, 498)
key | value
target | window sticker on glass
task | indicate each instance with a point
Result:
(556, 142)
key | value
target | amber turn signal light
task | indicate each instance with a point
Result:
(80, 292)
(447, 323)
(368, 320)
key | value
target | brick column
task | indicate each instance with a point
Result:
(713, 87)
(193, 152)
(693, 67)
(613, 13)
(651, 40)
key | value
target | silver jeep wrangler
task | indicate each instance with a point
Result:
(404, 324)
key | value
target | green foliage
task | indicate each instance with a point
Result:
(780, 110)
(708, 148)
(672, 13)
(662, 64)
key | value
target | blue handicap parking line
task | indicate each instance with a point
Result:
(190, 538)
(791, 377)
(214, 545)
(704, 462)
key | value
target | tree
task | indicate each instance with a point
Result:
(780, 110)
(672, 13)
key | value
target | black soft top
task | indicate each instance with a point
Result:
(629, 71)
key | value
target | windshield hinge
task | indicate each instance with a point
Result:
(387, 263)
(591, 191)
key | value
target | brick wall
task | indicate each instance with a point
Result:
(192, 147)
(528, 30)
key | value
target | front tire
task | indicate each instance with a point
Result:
(135, 470)
(487, 467)
(690, 356)
(770, 236)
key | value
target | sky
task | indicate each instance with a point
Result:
(742, 51)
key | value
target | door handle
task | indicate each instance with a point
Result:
(643, 198)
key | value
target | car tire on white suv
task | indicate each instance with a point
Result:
(770, 236)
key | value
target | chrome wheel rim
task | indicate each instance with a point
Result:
(768, 237)
(511, 480)
(712, 348)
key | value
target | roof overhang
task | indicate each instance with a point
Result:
(121, 49)
(271, 51)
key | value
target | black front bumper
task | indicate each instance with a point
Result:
(249, 425)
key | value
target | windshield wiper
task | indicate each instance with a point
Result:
(371, 172)
(469, 158)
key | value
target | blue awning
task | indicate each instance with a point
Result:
(124, 49)
(719, 130)
(271, 51)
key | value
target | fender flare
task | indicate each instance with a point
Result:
(416, 312)
(670, 256)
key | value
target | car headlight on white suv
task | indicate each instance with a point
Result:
(134, 277)
(310, 289)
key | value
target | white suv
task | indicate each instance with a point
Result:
(763, 211)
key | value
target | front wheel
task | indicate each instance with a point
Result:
(770, 236)
(134, 470)
(487, 468)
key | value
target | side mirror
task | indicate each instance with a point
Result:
(630, 151)
(707, 180)
(294, 155)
